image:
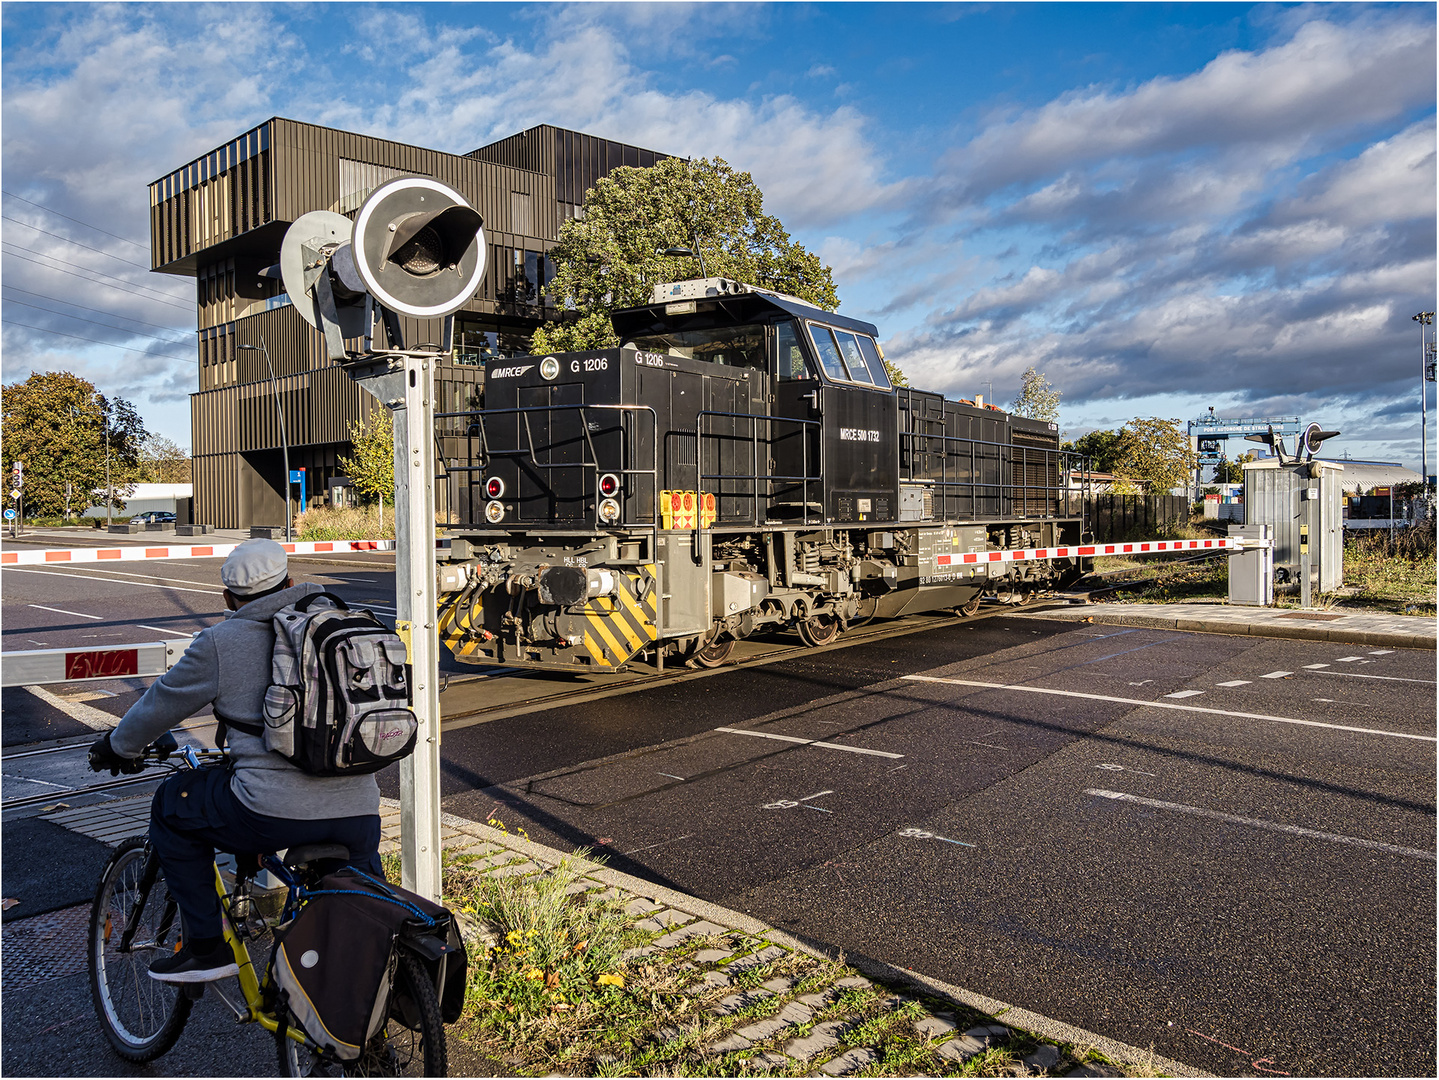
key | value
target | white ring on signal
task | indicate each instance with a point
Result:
(373, 284)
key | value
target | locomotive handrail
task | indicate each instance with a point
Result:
(477, 422)
(947, 486)
(757, 476)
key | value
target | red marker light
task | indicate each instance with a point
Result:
(494, 487)
(609, 484)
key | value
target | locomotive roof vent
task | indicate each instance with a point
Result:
(710, 288)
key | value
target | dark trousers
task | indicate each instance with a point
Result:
(195, 813)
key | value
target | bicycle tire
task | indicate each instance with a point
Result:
(412, 1046)
(141, 1016)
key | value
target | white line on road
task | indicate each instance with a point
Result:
(1169, 705)
(91, 717)
(1235, 682)
(1381, 652)
(1314, 667)
(1272, 826)
(662, 843)
(1277, 675)
(1349, 659)
(62, 611)
(1185, 693)
(162, 630)
(126, 574)
(1386, 678)
(111, 581)
(816, 795)
(808, 742)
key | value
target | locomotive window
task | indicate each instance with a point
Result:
(792, 364)
(858, 370)
(733, 346)
(876, 364)
(828, 351)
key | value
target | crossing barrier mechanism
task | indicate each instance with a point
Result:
(179, 551)
(43, 667)
(1072, 551)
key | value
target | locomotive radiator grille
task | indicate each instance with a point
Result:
(617, 627)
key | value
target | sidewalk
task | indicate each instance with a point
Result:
(767, 1027)
(1337, 625)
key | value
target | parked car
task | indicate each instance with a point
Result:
(156, 517)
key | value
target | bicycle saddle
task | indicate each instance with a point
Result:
(304, 854)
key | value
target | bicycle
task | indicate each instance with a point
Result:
(134, 919)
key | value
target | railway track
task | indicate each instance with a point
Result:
(762, 652)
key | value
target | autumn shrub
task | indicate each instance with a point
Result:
(346, 523)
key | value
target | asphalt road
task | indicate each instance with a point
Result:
(1244, 893)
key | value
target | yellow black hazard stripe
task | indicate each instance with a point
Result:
(616, 627)
(454, 623)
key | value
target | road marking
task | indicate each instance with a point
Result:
(672, 776)
(1314, 667)
(1123, 768)
(122, 574)
(1349, 659)
(91, 717)
(1381, 652)
(1235, 682)
(809, 742)
(1277, 675)
(162, 630)
(816, 795)
(1185, 693)
(1169, 705)
(62, 611)
(1386, 678)
(662, 843)
(116, 581)
(925, 834)
(1272, 826)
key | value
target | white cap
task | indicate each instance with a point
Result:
(254, 566)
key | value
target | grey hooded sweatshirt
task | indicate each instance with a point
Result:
(228, 666)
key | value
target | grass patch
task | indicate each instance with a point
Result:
(346, 523)
(1396, 576)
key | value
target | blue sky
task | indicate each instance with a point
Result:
(1161, 207)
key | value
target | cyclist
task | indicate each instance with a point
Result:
(259, 802)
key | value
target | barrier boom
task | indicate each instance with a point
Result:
(41, 667)
(1073, 551)
(42, 556)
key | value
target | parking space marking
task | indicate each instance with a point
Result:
(1185, 693)
(1272, 826)
(1277, 675)
(1168, 705)
(1234, 682)
(809, 742)
(62, 611)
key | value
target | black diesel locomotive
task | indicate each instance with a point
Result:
(740, 465)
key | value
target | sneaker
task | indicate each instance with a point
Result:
(185, 967)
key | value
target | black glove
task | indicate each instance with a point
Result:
(103, 756)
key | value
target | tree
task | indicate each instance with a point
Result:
(1101, 447)
(607, 257)
(1155, 451)
(1037, 399)
(54, 423)
(372, 469)
(1227, 472)
(163, 462)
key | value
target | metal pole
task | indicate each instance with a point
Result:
(416, 605)
(1425, 319)
(280, 412)
(109, 488)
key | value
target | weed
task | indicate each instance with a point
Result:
(345, 523)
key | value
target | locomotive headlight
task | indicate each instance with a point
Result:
(609, 485)
(495, 488)
(550, 368)
(494, 511)
(609, 511)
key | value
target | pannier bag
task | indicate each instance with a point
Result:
(334, 963)
(337, 700)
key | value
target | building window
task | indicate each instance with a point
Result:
(358, 179)
(522, 213)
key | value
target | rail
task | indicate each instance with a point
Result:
(755, 478)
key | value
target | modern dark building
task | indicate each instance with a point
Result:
(221, 218)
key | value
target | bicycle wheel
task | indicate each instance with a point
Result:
(412, 1042)
(141, 1016)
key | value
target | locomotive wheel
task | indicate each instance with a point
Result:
(1027, 597)
(714, 652)
(971, 608)
(818, 630)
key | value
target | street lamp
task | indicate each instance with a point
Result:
(284, 439)
(1424, 319)
(109, 488)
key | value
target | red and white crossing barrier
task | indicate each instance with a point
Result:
(1142, 547)
(40, 667)
(179, 551)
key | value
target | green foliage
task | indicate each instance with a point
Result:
(1038, 399)
(346, 523)
(607, 259)
(162, 462)
(54, 422)
(1101, 447)
(1232, 472)
(372, 469)
(896, 373)
(1155, 451)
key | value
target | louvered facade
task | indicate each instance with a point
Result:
(221, 219)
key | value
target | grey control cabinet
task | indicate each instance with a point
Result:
(1251, 572)
(1289, 497)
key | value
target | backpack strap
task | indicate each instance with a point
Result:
(223, 725)
(304, 603)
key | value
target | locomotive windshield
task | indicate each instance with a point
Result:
(733, 346)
